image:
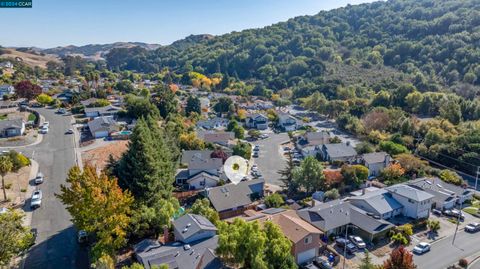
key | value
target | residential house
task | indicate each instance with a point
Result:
(6, 64)
(379, 202)
(257, 121)
(203, 170)
(233, 199)
(13, 127)
(213, 124)
(66, 95)
(338, 152)
(190, 228)
(376, 162)
(305, 238)
(88, 102)
(6, 90)
(335, 216)
(310, 144)
(195, 245)
(416, 202)
(93, 112)
(103, 126)
(287, 122)
(445, 195)
(220, 138)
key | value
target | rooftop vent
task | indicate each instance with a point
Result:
(185, 230)
(178, 253)
(189, 224)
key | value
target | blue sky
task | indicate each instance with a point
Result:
(53, 23)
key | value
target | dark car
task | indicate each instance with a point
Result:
(341, 242)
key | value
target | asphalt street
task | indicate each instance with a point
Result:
(56, 245)
(444, 254)
(270, 160)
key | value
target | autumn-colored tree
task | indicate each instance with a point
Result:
(44, 99)
(376, 120)
(242, 114)
(400, 258)
(26, 89)
(190, 141)
(410, 163)
(393, 173)
(218, 153)
(99, 206)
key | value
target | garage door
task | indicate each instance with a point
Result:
(306, 256)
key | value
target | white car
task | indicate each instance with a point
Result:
(46, 124)
(421, 248)
(472, 227)
(36, 200)
(39, 178)
(357, 241)
(44, 130)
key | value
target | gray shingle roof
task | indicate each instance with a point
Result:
(102, 124)
(327, 216)
(231, 196)
(175, 255)
(381, 200)
(102, 110)
(374, 157)
(13, 123)
(199, 162)
(340, 150)
(362, 220)
(188, 154)
(442, 190)
(190, 224)
(414, 193)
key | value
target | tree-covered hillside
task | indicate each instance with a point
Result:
(433, 43)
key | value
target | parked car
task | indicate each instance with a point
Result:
(357, 241)
(309, 266)
(436, 212)
(421, 248)
(69, 131)
(44, 130)
(36, 200)
(321, 263)
(256, 148)
(286, 148)
(61, 111)
(472, 227)
(342, 242)
(454, 213)
(39, 178)
(255, 154)
(264, 136)
(46, 124)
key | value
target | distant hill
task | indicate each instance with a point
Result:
(436, 43)
(96, 50)
(30, 57)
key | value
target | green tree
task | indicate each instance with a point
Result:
(202, 207)
(166, 101)
(239, 132)
(223, 105)
(44, 99)
(331, 194)
(392, 148)
(286, 175)
(14, 237)
(243, 149)
(274, 200)
(104, 262)
(147, 168)
(367, 262)
(138, 107)
(433, 225)
(309, 175)
(364, 147)
(278, 248)
(447, 176)
(124, 86)
(97, 205)
(193, 105)
(354, 174)
(5, 167)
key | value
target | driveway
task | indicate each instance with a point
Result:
(56, 245)
(270, 158)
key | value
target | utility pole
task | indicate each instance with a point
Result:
(458, 222)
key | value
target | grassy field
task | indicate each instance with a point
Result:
(28, 58)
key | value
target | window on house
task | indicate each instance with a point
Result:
(202, 183)
(410, 201)
(308, 240)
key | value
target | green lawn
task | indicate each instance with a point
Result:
(3, 117)
(471, 210)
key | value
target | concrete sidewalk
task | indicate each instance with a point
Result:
(31, 187)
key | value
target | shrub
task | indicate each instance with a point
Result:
(463, 263)
(18, 160)
(274, 200)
